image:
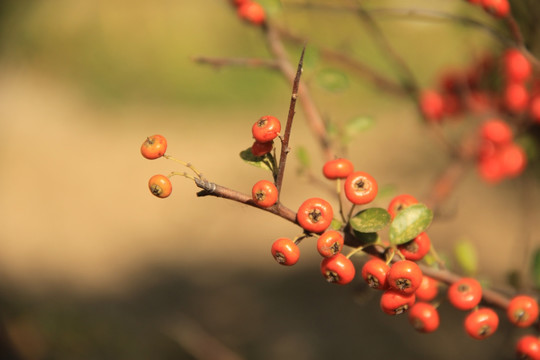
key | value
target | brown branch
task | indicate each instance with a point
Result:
(245, 62)
(311, 112)
(354, 65)
(286, 136)
(213, 189)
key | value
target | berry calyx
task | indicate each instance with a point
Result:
(337, 169)
(465, 293)
(315, 215)
(261, 149)
(522, 311)
(394, 302)
(424, 317)
(266, 129)
(528, 347)
(417, 248)
(481, 323)
(374, 272)
(160, 186)
(404, 276)
(399, 203)
(154, 147)
(338, 269)
(285, 251)
(360, 188)
(330, 243)
(264, 193)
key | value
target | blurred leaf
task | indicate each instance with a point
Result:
(333, 80)
(386, 190)
(263, 162)
(529, 145)
(370, 220)
(357, 125)
(336, 224)
(303, 157)
(536, 268)
(514, 279)
(409, 223)
(466, 257)
(365, 238)
(332, 129)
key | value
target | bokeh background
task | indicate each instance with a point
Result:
(93, 267)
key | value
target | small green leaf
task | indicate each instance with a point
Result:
(363, 239)
(536, 268)
(333, 80)
(409, 223)
(263, 162)
(336, 224)
(303, 157)
(370, 220)
(465, 254)
(358, 124)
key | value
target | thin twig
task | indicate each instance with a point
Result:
(243, 62)
(286, 136)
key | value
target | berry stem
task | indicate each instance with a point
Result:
(186, 164)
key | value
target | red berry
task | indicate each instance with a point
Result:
(330, 243)
(499, 8)
(424, 317)
(160, 186)
(285, 251)
(360, 188)
(404, 276)
(528, 347)
(315, 215)
(516, 66)
(512, 159)
(337, 169)
(252, 12)
(374, 272)
(490, 169)
(338, 269)
(399, 203)
(496, 131)
(266, 129)
(264, 193)
(534, 108)
(432, 105)
(395, 303)
(417, 248)
(154, 147)
(428, 289)
(465, 293)
(260, 149)
(481, 323)
(516, 97)
(522, 311)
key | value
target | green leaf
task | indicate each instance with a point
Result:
(303, 157)
(370, 220)
(466, 257)
(333, 80)
(263, 162)
(536, 268)
(358, 125)
(409, 223)
(336, 224)
(365, 238)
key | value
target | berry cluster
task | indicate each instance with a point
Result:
(499, 156)
(250, 11)
(517, 103)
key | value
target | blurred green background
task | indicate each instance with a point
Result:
(93, 267)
